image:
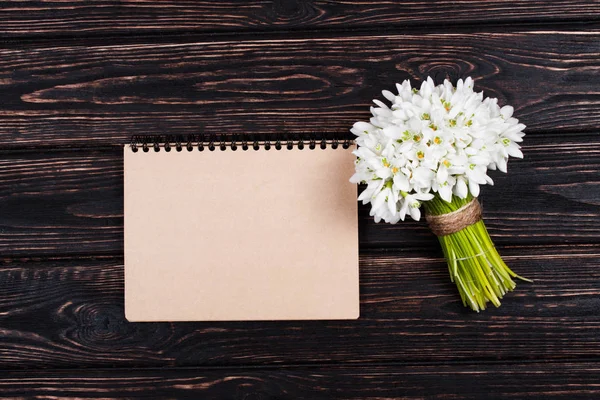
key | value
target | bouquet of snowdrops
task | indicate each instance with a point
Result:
(433, 147)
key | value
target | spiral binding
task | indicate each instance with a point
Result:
(211, 142)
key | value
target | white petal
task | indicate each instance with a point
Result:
(365, 196)
(446, 193)
(393, 132)
(507, 112)
(455, 170)
(363, 126)
(391, 203)
(513, 151)
(423, 196)
(476, 175)
(501, 164)
(415, 213)
(401, 182)
(474, 188)
(469, 82)
(383, 173)
(379, 199)
(405, 147)
(388, 95)
(460, 189)
(400, 115)
(514, 133)
(380, 103)
(357, 177)
(423, 175)
(395, 219)
(479, 159)
(403, 209)
(442, 174)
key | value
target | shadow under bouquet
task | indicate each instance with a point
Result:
(433, 147)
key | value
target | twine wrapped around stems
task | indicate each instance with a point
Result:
(446, 224)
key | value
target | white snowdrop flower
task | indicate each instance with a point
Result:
(431, 140)
(460, 188)
(411, 205)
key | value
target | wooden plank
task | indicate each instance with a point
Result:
(60, 203)
(77, 95)
(72, 202)
(549, 381)
(69, 313)
(76, 18)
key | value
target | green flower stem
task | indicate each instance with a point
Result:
(473, 262)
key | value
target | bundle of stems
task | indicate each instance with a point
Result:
(473, 261)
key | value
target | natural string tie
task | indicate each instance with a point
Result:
(455, 221)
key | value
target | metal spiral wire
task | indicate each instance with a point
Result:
(210, 142)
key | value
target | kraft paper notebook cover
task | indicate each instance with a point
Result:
(240, 235)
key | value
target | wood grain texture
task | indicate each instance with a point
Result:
(61, 203)
(78, 78)
(76, 18)
(101, 95)
(548, 381)
(72, 203)
(69, 313)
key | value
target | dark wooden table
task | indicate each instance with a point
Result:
(78, 78)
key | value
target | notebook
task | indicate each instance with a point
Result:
(239, 231)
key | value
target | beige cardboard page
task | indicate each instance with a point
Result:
(240, 235)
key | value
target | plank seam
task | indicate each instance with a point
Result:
(193, 36)
(374, 251)
(334, 364)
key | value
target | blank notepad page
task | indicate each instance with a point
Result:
(240, 235)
